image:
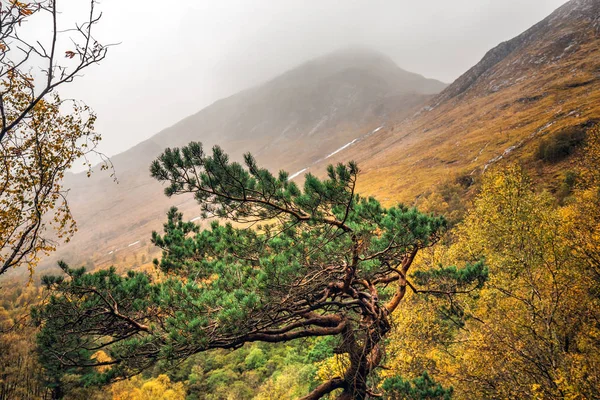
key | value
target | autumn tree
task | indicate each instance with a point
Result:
(286, 263)
(20, 371)
(23, 55)
(583, 213)
(41, 135)
(533, 331)
(420, 388)
(159, 388)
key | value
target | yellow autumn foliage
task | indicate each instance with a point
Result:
(532, 331)
(159, 388)
(36, 153)
(332, 367)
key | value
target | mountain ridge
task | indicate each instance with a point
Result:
(582, 9)
(549, 83)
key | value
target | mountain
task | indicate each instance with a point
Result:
(551, 41)
(358, 105)
(540, 84)
(290, 122)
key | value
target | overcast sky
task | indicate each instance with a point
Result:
(177, 57)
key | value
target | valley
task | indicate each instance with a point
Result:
(345, 230)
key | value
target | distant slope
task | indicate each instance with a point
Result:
(541, 82)
(289, 122)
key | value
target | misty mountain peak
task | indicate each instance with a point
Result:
(359, 62)
(347, 87)
(351, 57)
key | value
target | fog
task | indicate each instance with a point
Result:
(174, 58)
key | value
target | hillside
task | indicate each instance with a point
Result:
(483, 284)
(288, 123)
(532, 87)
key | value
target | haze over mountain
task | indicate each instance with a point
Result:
(538, 84)
(357, 104)
(290, 122)
(206, 51)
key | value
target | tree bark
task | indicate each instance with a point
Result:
(57, 393)
(346, 395)
(325, 388)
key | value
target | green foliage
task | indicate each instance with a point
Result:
(420, 388)
(322, 349)
(255, 359)
(442, 282)
(282, 263)
(97, 294)
(474, 274)
(560, 145)
(565, 190)
(270, 371)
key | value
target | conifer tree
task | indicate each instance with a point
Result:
(277, 263)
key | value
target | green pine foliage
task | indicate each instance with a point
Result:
(279, 263)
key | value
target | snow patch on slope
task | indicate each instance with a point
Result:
(297, 173)
(342, 148)
(354, 141)
(358, 139)
(318, 125)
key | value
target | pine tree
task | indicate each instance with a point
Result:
(278, 263)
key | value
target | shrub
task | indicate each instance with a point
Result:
(560, 145)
